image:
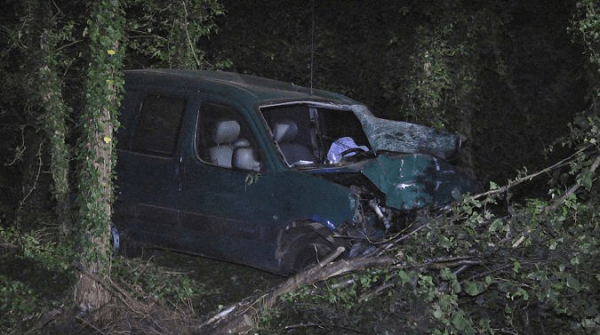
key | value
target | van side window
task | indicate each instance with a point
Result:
(158, 125)
(224, 138)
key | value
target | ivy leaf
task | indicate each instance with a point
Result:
(516, 266)
(404, 277)
(573, 283)
(437, 311)
(459, 321)
(474, 288)
(497, 225)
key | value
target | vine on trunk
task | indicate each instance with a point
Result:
(104, 87)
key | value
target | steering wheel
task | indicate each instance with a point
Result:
(356, 150)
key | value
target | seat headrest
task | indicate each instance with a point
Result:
(285, 131)
(226, 131)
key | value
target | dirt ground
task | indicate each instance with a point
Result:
(228, 283)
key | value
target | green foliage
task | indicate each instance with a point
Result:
(430, 81)
(443, 80)
(166, 33)
(34, 276)
(586, 30)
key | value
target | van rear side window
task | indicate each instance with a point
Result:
(158, 125)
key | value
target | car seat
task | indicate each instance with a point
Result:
(226, 133)
(285, 134)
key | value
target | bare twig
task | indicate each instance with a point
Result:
(116, 290)
(530, 176)
(377, 291)
(87, 323)
(322, 326)
(573, 188)
(400, 239)
(19, 150)
(37, 177)
(187, 34)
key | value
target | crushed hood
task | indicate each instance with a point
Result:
(397, 136)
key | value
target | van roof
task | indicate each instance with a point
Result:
(246, 87)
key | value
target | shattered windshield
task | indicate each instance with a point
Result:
(315, 135)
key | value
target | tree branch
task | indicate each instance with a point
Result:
(573, 188)
(530, 176)
(187, 34)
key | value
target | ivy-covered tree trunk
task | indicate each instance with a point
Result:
(53, 118)
(102, 97)
(43, 138)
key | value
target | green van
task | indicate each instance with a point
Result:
(268, 174)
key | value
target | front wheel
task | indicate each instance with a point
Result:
(312, 251)
(122, 245)
(115, 240)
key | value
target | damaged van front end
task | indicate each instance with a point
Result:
(386, 169)
(384, 191)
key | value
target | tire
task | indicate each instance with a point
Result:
(311, 250)
(122, 245)
(115, 241)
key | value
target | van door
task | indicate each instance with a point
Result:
(227, 207)
(148, 168)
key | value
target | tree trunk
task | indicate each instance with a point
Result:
(102, 94)
(53, 118)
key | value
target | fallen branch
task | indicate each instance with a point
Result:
(321, 326)
(240, 318)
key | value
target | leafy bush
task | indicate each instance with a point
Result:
(33, 276)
